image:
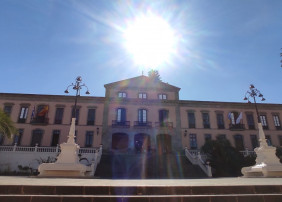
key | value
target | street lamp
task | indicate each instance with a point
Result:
(77, 87)
(267, 163)
(253, 93)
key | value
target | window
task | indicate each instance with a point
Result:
(280, 140)
(122, 95)
(239, 142)
(208, 137)
(233, 116)
(263, 121)
(163, 116)
(220, 121)
(89, 138)
(8, 109)
(162, 96)
(36, 137)
(91, 117)
(206, 120)
(254, 141)
(121, 115)
(76, 115)
(268, 140)
(59, 115)
(142, 115)
(191, 120)
(2, 138)
(17, 138)
(23, 115)
(55, 138)
(142, 95)
(193, 141)
(277, 122)
(221, 137)
(250, 121)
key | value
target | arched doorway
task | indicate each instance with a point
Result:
(142, 142)
(164, 143)
(120, 141)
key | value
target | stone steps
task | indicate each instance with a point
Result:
(250, 193)
(147, 166)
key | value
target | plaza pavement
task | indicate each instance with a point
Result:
(239, 181)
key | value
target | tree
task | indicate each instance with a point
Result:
(6, 125)
(154, 75)
(225, 160)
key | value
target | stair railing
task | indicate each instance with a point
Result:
(197, 160)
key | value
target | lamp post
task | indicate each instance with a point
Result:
(77, 87)
(253, 93)
(267, 163)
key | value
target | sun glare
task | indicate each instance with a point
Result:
(150, 40)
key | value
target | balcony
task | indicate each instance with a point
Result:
(164, 124)
(40, 121)
(120, 124)
(138, 124)
(237, 127)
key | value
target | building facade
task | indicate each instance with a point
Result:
(138, 115)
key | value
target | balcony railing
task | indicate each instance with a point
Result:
(120, 124)
(164, 124)
(237, 126)
(40, 121)
(138, 124)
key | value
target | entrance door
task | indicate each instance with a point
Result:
(120, 141)
(164, 143)
(142, 142)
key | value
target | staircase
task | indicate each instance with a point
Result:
(39, 193)
(147, 166)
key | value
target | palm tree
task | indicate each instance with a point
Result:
(7, 125)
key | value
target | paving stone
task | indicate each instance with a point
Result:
(97, 190)
(252, 198)
(72, 190)
(77, 199)
(223, 199)
(272, 198)
(10, 189)
(37, 190)
(267, 189)
(46, 199)
(123, 190)
(15, 198)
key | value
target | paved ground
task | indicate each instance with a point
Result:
(15, 180)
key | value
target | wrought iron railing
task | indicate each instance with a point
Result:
(164, 124)
(138, 124)
(120, 124)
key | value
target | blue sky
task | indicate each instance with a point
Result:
(223, 46)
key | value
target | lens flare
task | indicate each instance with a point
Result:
(150, 40)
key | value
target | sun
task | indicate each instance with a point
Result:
(150, 40)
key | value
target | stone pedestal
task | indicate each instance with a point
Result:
(67, 164)
(267, 163)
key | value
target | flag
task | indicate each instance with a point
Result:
(238, 120)
(43, 111)
(33, 113)
(229, 116)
